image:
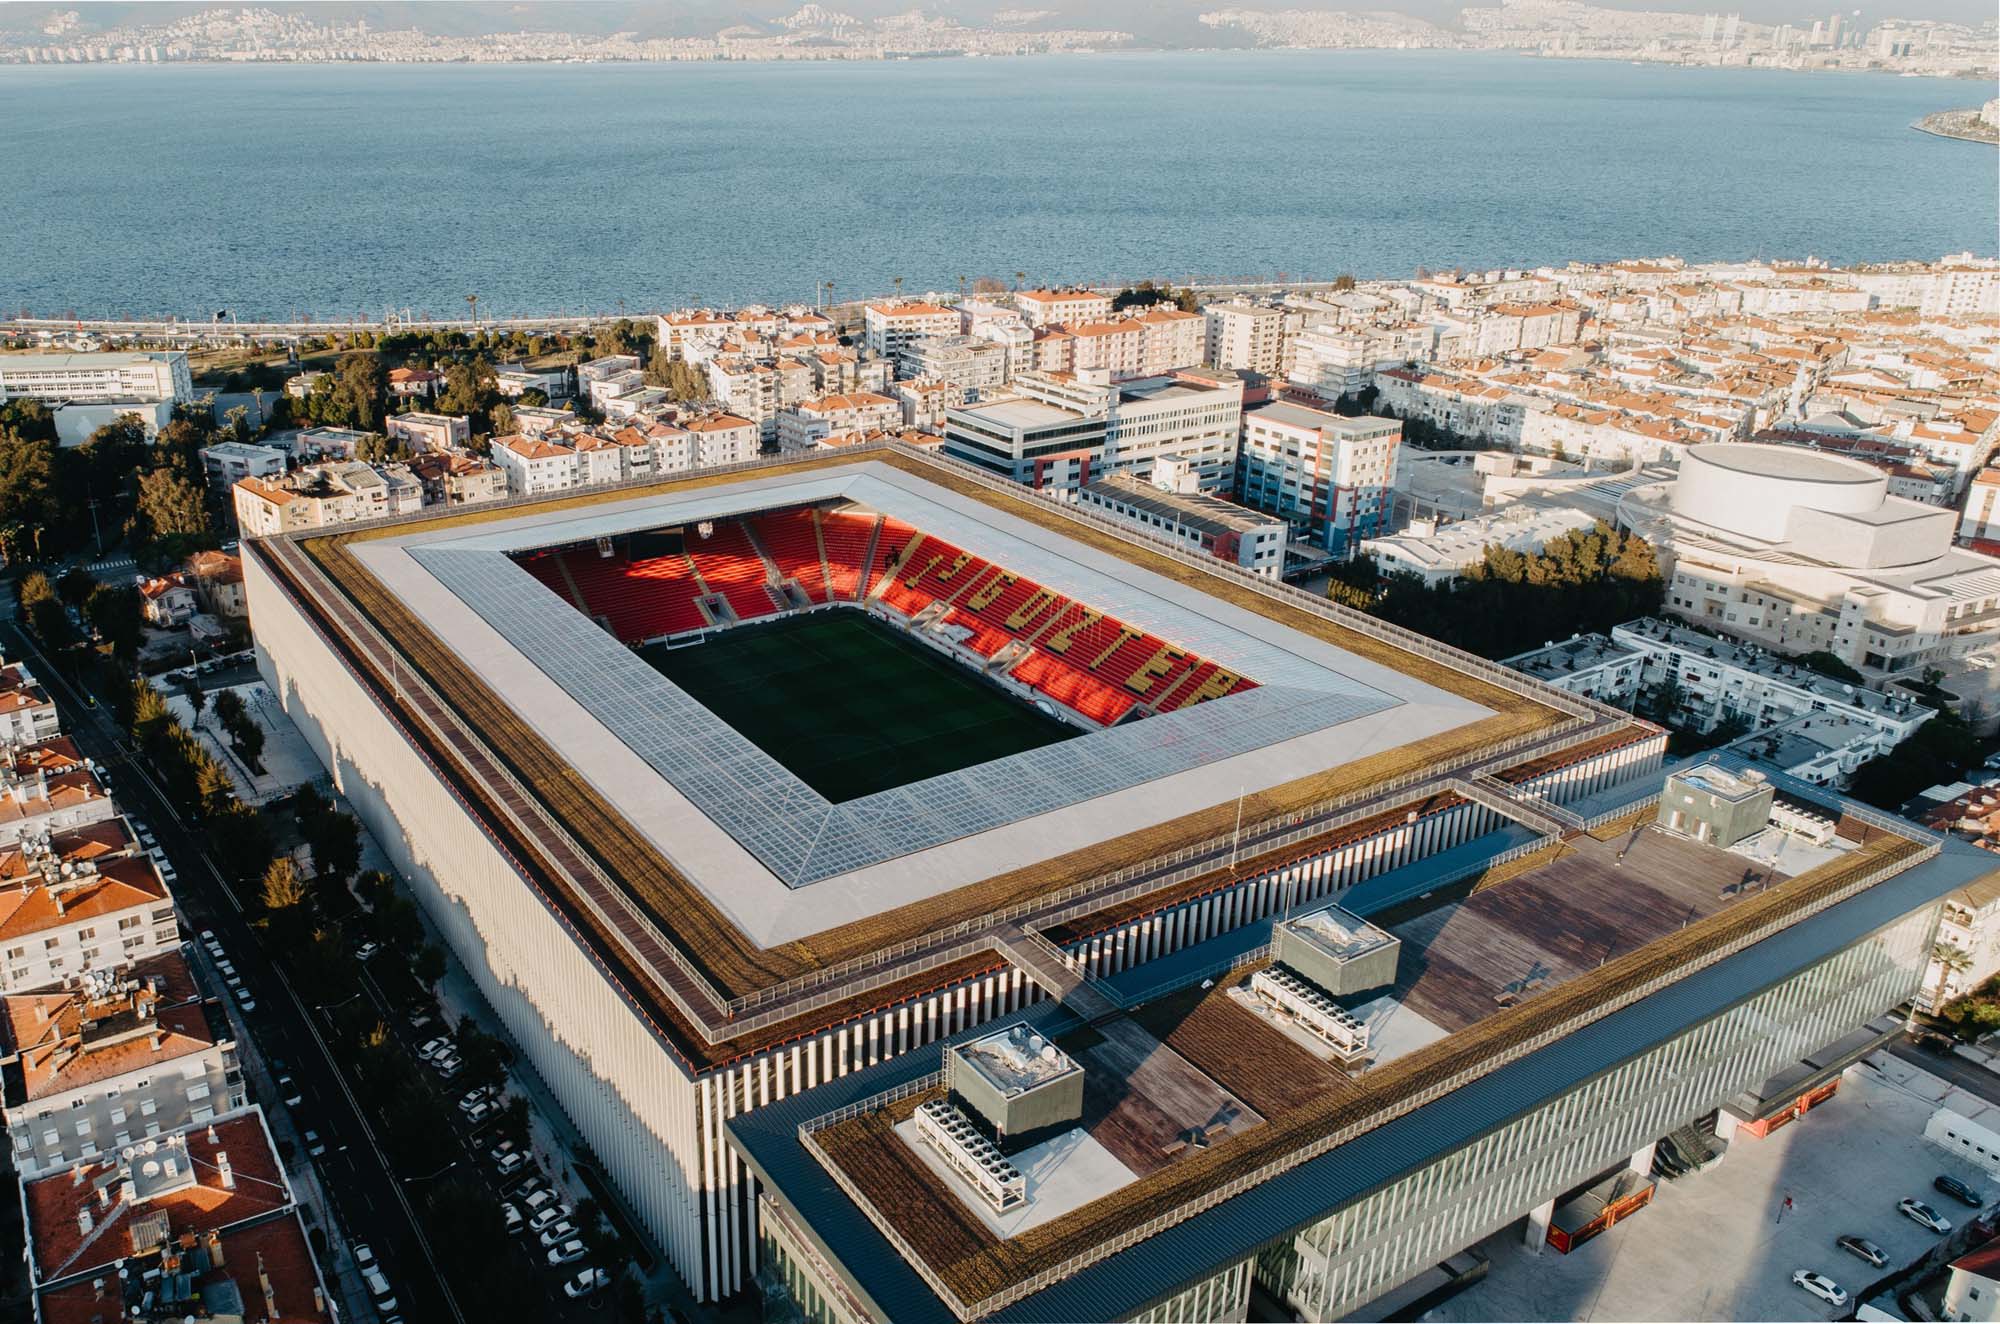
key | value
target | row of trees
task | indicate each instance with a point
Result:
(56, 499)
(1511, 601)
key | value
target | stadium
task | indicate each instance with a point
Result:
(741, 793)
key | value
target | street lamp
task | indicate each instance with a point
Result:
(427, 1176)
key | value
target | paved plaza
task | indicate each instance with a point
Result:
(1719, 1245)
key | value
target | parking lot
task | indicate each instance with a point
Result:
(1721, 1245)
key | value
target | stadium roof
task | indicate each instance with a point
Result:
(561, 740)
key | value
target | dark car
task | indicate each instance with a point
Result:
(1958, 1191)
(1864, 1248)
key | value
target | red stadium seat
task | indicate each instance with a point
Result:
(730, 565)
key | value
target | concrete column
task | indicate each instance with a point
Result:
(1642, 1159)
(1539, 1219)
(1726, 1123)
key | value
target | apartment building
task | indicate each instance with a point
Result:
(119, 1057)
(1332, 361)
(27, 714)
(802, 426)
(321, 443)
(925, 401)
(969, 362)
(1171, 507)
(47, 788)
(206, 1208)
(1465, 406)
(227, 463)
(887, 327)
(325, 494)
(1043, 307)
(1251, 336)
(429, 432)
(535, 465)
(720, 438)
(1509, 327)
(104, 914)
(756, 390)
(514, 380)
(1330, 478)
(1172, 339)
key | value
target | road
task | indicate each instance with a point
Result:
(360, 1187)
(1949, 1067)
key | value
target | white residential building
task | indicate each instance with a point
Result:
(115, 1060)
(969, 362)
(227, 462)
(1329, 477)
(1252, 336)
(1042, 307)
(429, 432)
(720, 439)
(536, 465)
(27, 714)
(888, 327)
(1439, 553)
(100, 378)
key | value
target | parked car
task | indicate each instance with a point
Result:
(586, 1283)
(1820, 1286)
(510, 1163)
(214, 950)
(1958, 1191)
(288, 1089)
(472, 1097)
(447, 1063)
(1864, 1248)
(511, 1215)
(1923, 1215)
(546, 1218)
(314, 1145)
(557, 1233)
(431, 1048)
(378, 1288)
(568, 1253)
(227, 970)
(483, 1111)
(418, 1020)
(243, 999)
(366, 950)
(364, 1256)
(501, 1150)
(527, 1186)
(538, 1200)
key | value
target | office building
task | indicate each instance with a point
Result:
(1331, 478)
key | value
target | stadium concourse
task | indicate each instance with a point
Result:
(606, 737)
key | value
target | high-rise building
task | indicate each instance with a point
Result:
(1331, 478)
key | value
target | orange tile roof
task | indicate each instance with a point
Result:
(61, 1049)
(59, 1247)
(118, 885)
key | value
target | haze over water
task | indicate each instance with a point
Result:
(274, 191)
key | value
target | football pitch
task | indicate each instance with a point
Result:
(849, 705)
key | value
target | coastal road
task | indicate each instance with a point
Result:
(364, 1193)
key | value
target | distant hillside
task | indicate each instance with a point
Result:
(1166, 23)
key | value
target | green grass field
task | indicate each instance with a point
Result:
(850, 705)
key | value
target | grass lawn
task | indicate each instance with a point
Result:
(850, 705)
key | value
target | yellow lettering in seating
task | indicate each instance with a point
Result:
(1154, 667)
(1058, 641)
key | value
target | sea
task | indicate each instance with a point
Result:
(285, 191)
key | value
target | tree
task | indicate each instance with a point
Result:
(1343, 281)
(116, 614)
(469, 388)
(376, 448)
(173, 513)
(534, 398)
(1949, 960)
(45, 613)
(1935, 752)
(335, 841)
(679, 378)
(428, 965)
(281, 887)
(502, 416)
(27, 493)
(358, 381)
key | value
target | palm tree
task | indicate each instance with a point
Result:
(1019, 276)
(897, 281)
(1949, 961)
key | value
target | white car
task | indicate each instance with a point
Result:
(314, 1145)
(482, 1112)
(512, 1217)
(228, 970)
(1820, 1286)
(364, 1256)
(557, 1233)
(538, 1199)
(471, 1098)
(568, 1253)
(430, 1048)
(510, 1163)
(214, 949)
(208, 935)
(554, 1213)
(378, 1287)
(366, 950)
(244, 1000)
(586, 1283)
(449, 1065)
(1923, 1215)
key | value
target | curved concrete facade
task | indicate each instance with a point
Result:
(1752, 490)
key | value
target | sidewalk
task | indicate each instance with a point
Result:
(557, 1144)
